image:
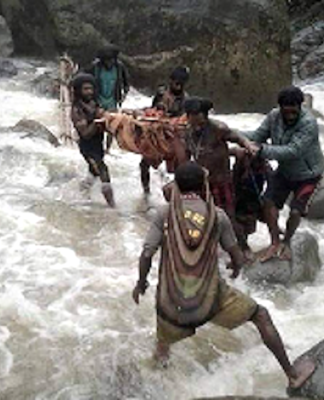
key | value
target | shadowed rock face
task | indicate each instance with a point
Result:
(6, 42)
(308, 38)
(238, 50)
(31, 25)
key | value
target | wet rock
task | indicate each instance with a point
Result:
(308, 51)
(36, 129)
(226, 52)
(316, 208)
(304, 266)
(228, 45)
(6, 42)
(47, 84)
(246, 398)
(7, 68)
(314, 387)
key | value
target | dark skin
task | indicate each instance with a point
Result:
(217, 159)
(261, 320)
(176, 88)
(220, 169)
(108, 62)
(281, 249)
(86, 130)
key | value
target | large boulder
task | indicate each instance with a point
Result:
(308, 51)
(308, 37)
(7, 68)
(6, 42)
(304, 266)
(46, 84)
(227, 45)
(313, 387)
(35, 129)
(238, 50)
(32, 26)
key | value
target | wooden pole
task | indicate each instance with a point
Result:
(67, 69)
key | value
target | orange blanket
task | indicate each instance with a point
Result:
(149, 134)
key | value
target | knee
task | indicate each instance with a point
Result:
(268, 204)
(261, 316)
(104, 173)
(144, 165)
(294, 213)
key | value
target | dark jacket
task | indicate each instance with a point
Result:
(122, 85)
(297, 149)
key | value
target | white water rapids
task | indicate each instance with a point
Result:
(68, 327)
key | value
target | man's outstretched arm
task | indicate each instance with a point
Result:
(142, 284)
(152, 243)
(237, 260)
(229, 243)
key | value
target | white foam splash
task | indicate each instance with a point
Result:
(68, 327)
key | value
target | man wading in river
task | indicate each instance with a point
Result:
(293, 132)
(190, 290)
(169, 99)
(85, 112)
(111, 78)
(207, 143)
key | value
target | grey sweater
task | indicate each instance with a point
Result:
(296, 148)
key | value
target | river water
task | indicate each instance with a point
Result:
(68, 327)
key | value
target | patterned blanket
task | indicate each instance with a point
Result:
(150, 134)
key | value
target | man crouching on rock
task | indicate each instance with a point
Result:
(191, 291)
(86, 115)
(294, 143)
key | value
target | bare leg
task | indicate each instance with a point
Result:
(271, 216)
(87, 183)
(109, 140)
(271, 338)
(242, 238)
(292, 225)
(108, 194)
(162, 353)
(145, 175)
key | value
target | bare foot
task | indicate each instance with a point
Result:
(285, 252)
(270, 252)
(303, 370)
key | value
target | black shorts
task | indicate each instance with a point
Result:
(97, 167)
(279, 189)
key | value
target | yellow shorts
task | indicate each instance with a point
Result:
(234, 309)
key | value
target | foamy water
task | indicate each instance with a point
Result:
(68, 327)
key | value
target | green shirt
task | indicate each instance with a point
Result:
(108, 81)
